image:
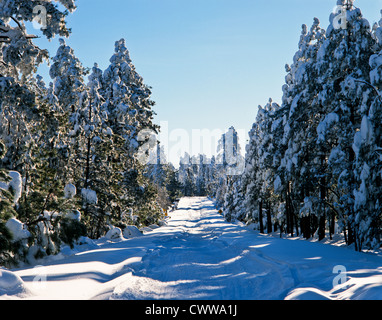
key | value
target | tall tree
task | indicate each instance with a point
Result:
(343, 64)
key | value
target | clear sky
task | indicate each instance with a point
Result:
(210, 62)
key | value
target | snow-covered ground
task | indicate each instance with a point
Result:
(198, 255)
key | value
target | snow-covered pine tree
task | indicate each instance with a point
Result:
(159, 172)
(156, 168)
(118, 103)
(343, 65)
(267, 151)
(228, 153)
(249, 178)
(68, 85)
(19, 92)
(367, 147)
(19, 55)
(6, 212)
(128, 98)
(19, 59)
(233, 208)
(211, 174)
(229, 163)
(68, 76)
(201, 180)
(98, 173)
(186, 176)
(259, 175)
(42, 203)
(127, 107)
(173, 186)
(295, 179)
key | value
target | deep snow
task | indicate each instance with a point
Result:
(198, 255)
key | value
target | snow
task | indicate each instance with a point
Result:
(18, 229)
(366, 129)
(322, 128)
(375, 62)
(307, 207)
(74, 215)
(11, 284)
(15, 184)
(70, 191)
(295, 102)
(89, 196)
(131, 232)
(198, 255)
(357, 143)
(336, 156)
(114, 234)
(278, 185)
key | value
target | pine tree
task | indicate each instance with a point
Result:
(186, 176)
(367, 148)
(42, 204)
(229, 164)
(19, 59)
(21, 104)
(99, 173)
(68, 75)
(127, 105)
(299, 117)
(343, 66)
(173, 186)
(6, 212)
(128, 98)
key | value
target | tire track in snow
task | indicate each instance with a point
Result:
(199, 263)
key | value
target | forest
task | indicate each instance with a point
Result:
(313, 164)
(70, 149)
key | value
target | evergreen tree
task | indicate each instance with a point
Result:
(19, 59)
(343, 65)
(21, 103)
(368, 165)
(228, 165)
(6, 212)
(299, 134)
(127, 97)
(173, 186)
(127, 103)
(186, 176)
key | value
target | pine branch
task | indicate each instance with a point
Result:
(371, 86)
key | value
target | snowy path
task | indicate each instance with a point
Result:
(200, 256)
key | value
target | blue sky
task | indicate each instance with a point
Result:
(210, 62)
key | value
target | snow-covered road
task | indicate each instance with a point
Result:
(198, 255)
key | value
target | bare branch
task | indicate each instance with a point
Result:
(18, 23)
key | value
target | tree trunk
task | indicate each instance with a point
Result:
(289, 212)
(291, 221)
(351, 238)
(87, 169)
(322, 219)
(261, 216)
(321, 228)
(305, 227)
(332, 225)
(269, 218)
